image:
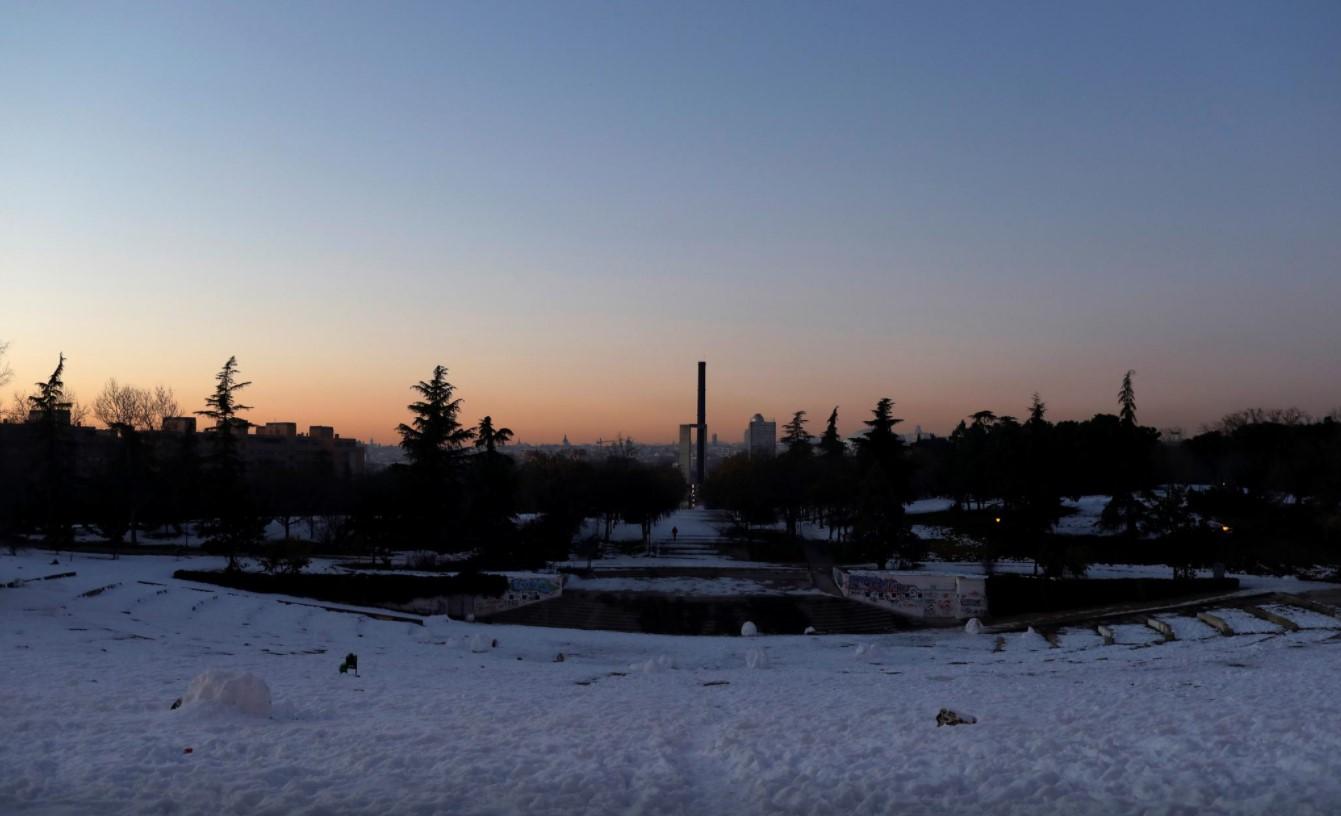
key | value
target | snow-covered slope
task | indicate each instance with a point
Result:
(632, 723)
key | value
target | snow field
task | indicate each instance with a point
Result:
(633, 723)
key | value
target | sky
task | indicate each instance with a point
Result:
(569, 204)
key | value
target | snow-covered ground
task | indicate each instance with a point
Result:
(632, 723)
(1084, 520)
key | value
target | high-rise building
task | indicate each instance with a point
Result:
(761, 437)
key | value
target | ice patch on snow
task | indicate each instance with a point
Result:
(756, 659)
(244, 692)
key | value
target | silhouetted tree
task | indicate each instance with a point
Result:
(123, 488)
(50, 406)
(234, 527)
(1185, 541)
(434, 445)
(493, 489)
(740, 485)
(138, 408)
(1127, 400)
(1131, 465)
(648, 494)
(878, 525)
(490, 438)
(794, 473)
(834, 489)
(796, 437)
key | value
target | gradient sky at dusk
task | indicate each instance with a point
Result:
(569, 204)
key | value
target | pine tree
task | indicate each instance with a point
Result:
(50, 401)
(434, 439)
(796, 437)
(880, 445)
(1127, 401)
(234, 528)
(831, 444)
(834, 488)
(53, 411)
(434, 443)
(885, 487)
(1133, 469)
(1038, 411)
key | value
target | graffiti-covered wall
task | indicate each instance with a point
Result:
(917, 594)
(522, 590)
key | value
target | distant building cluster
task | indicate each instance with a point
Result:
(279, 445)
(274, 445)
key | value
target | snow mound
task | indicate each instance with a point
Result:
(654, 664)
(810, 630)
(756, 659)
(478, 644)
(223, 689)
(1031, 639)
(748, 629)
(973, 627)
(866, 650)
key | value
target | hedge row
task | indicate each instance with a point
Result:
(357, 589)
(1025, 594)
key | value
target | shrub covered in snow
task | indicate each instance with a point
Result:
(244, 692)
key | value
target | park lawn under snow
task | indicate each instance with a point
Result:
(631, 723)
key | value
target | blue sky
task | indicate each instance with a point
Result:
(570, 203)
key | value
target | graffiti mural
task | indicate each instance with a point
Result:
(921, 595)
(522, 590)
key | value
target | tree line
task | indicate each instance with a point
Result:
(457, 491)
(1260, 489)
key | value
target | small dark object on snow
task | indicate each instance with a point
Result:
(351, 664)
(176, 704)
(187, 750)
(494, 644)
(948, 717)
(559, 658)
(55, 562)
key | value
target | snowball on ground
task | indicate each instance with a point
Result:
(244, 692)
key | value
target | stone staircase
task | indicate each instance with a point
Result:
(1264, 614)
(689, 548)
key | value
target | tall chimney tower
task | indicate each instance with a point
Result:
(702, 417)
